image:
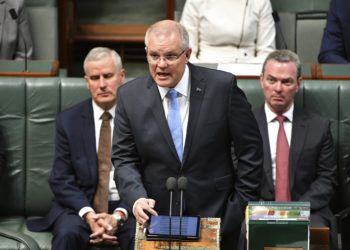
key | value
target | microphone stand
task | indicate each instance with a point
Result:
(25, 53)
(181, 197)
(170, 214)
(170, 185)
(276, 18)
(14, 16)
(181, 183)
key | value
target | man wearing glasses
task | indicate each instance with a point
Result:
(182, 120)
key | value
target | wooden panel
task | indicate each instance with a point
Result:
(319, 238)
(209, 238)
(72, 33)
(111, 33)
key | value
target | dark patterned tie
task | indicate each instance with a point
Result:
(282, 192)
(104, 165)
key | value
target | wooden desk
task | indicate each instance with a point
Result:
(36, 68)
(209, 238)
(319, 238)
(332, 71)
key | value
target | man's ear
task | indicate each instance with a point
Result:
(188, 54)
(87, 81)
(261, 79)
(122, 75)
(299, 82)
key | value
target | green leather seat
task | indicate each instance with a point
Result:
(27, 118)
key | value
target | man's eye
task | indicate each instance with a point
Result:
(154, 57)
(171, 57)
(94, 78)
(107, 76)
(270, 80)
(288, 82)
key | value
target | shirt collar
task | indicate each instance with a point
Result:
(98, 111)
(271, 116)
(182, 87)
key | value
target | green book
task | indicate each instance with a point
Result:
(278, 225)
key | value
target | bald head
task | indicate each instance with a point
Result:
(165, 29)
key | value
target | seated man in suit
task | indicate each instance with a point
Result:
(299, 156)
(335, 47)
(86, 209)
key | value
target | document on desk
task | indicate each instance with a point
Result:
(241, 69)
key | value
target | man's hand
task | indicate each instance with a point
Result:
(96, 229)
(142, 209)
(108, 222)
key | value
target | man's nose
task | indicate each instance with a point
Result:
(102, 81)
(162, 62)
(278, 85)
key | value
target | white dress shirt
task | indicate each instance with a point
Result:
(113, 194)
(183, 98)
(272, 127)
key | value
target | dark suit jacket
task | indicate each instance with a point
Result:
(74, 174)
(145, 156)
(335, 47)
(312, 160)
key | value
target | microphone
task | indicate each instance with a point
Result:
(14, 16)
(181, 184)
(276, 18)
(170, 186)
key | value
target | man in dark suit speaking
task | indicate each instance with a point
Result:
(299, 156)
(182, 120)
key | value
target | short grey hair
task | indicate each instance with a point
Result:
(284, 56)
(99, 53)
(159, 29)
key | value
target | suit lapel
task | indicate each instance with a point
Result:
(262, 123)
(196, 97)
(299, 128)
(88, 135)
(155, 103)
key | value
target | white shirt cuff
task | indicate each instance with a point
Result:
(85, 210)
(120, 209)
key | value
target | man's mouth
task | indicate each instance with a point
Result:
(104, 94)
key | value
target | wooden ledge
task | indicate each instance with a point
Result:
(111, 32)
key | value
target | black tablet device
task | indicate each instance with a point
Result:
(158, 228)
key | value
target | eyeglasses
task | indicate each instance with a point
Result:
(154, 59)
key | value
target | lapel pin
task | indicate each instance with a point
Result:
(198, 89)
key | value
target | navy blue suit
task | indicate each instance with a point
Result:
(74, 176)
(335, 47)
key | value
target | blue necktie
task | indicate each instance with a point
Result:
(174, 121)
